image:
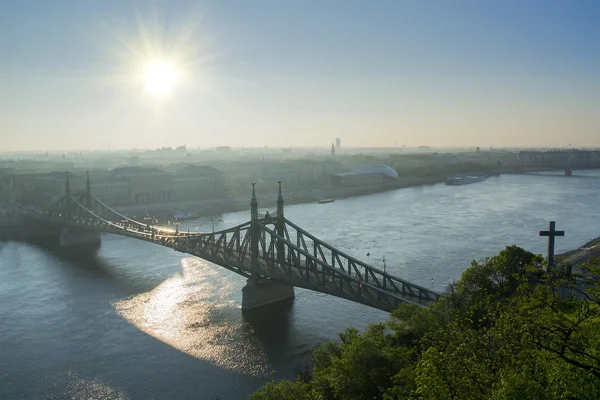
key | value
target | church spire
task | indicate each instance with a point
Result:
(332, 149)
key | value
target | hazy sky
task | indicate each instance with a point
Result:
(300, 73)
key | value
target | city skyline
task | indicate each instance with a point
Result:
(125, 75)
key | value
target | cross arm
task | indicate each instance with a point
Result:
(552, 233)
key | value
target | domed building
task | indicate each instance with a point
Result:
(365, 176)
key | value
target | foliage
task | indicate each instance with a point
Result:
(296, 390)
(505, 330)
(362, 366)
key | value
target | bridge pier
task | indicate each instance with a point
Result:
(259, 293)
(568, 171)
(77, 237)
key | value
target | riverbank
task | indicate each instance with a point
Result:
(213, 207)
(582, 255)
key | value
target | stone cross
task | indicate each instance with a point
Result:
(551, 233)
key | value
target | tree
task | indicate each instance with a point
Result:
(506, 330)
(362, 367)
(536, 336)
(562, 317)
(291, 390)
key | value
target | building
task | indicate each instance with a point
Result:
(196, 182)
(48, 188)
(147, 185)
(338, 143)
(559, 158)
(365, 176)
(292, 172)
(107, 186)
(119, 187)
(6, 183)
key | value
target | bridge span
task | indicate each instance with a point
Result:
(273, 253)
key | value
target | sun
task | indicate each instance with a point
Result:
(160, 78)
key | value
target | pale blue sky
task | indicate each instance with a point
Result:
(300, 73)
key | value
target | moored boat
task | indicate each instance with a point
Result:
(465, 180)
(323, 201)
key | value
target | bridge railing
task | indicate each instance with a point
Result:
(217, 248)
(130, 220)
(313, 275)
(328, 271)
(138, 228)
(379, 277)
(323, 265)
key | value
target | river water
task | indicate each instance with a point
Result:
(139, 321)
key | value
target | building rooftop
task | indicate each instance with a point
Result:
(134, 171)
(375, 169)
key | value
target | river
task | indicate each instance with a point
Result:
(139, 321)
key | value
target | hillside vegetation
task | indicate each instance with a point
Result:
(505, 331)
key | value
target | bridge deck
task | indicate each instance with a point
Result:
(285, 253)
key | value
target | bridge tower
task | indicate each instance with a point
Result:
(70, 237)
(254, 231)
(88, 191)
(259, 291)
(67, 184)
(68, 193)
(569, 167)
(279, 228)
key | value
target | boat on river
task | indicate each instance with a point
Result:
(465, 180)
(324, 201)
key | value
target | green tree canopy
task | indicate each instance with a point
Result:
(505, 330)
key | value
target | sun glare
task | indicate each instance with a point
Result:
(160, 78)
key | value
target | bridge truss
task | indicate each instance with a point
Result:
(264, 248)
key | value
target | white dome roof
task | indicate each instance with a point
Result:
(376, 169)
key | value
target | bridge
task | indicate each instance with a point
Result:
(273, 253)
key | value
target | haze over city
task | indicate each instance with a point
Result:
(124, 74)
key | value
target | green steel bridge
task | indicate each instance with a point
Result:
(268, 250)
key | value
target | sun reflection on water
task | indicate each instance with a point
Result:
(195, 314)
(80, 388)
